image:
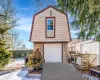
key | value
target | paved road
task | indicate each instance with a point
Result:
(60, 71)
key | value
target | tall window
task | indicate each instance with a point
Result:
(50, 27)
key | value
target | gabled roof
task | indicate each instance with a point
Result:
(44, 10)
(50, 7)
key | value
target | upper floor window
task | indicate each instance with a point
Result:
(50, 27)
(50, 24)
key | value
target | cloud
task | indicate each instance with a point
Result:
(73, 31)
(24, 24)
(26, 9)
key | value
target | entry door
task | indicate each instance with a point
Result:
(53, 52)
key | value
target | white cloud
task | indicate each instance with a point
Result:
(24, 24)
(26, 9)
(73, 31)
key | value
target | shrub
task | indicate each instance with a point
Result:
(4, 56)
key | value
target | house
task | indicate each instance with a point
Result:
(73, 42)
(50, 33)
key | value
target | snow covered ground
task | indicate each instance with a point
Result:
(21, 74)
(17, 75)
(90, 77)
(87, 76)
(16, 64)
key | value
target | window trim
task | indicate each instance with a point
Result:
(46, 27)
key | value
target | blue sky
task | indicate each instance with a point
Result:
(26, 9)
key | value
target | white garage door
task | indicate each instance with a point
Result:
(53, 52)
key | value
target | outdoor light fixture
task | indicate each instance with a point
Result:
(50, 12)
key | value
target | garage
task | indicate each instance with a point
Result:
(53, 52)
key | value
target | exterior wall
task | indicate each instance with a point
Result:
(64, 51)
(64, 48)
(40, 46)
(61, 27)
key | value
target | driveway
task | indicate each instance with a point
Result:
(60, 71)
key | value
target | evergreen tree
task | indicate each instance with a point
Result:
(7, 22)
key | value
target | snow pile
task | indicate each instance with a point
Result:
(17, 75)
(90, 77)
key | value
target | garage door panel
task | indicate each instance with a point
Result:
(53, 52)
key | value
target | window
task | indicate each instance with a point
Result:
(50, 27)
(50, 24)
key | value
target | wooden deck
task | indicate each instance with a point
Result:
(60, 71)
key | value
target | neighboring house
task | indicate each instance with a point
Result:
(74, 41)
(50, 33)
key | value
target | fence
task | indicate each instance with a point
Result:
(88, 47)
